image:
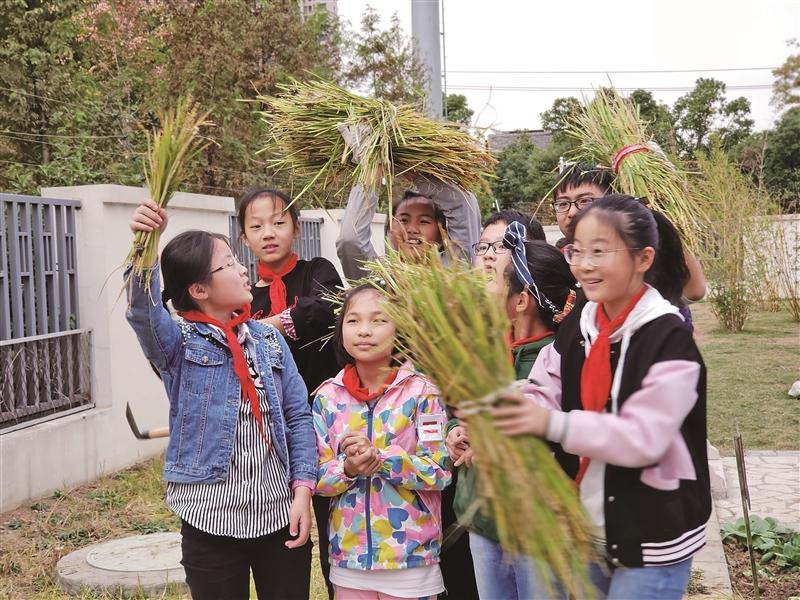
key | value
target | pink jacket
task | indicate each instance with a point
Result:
(390, 520)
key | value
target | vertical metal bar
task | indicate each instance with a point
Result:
(61, 267)
(50, 268)
(26, 270)
(38, 269)
(5, 297)
(72, 268)
(14, 277)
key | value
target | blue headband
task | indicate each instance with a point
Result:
(514, 240)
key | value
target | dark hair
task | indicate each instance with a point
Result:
(582, 172)
(550, 272)
(639, 227)
(438, 213)
(263, 192)
(185, 260)
(534, 229)
(342, 355)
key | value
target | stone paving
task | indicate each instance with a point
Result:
(773, 478)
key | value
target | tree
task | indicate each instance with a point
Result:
(786, 89)
(703, 111)
(562, 112)
(658, 116)
(781, 160)
(100, 71)
(456, 109)
(37, 69)
(525, 173)
(383, 63)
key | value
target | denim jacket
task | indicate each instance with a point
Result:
(204, 391)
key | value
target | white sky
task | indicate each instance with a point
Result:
(615, 35)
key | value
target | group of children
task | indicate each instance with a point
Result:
(266, 419)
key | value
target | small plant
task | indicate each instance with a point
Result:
(40, 507)
(777, 545)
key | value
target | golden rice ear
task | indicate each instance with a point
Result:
(609, 124)
(332, 139)
(169, 150)
(452, 327)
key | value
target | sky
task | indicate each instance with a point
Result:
(606, 37)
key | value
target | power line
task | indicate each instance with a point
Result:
(513, 88)
(621, 71)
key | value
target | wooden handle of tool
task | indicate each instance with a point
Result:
(159, 432)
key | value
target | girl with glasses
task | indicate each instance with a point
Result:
(622, 392)
(537, 289)
(241, 460)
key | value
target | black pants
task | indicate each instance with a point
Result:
(218, 567)
(322, 506)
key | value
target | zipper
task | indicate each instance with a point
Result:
(368, 481)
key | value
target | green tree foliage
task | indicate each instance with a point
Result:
(525, 174)
(705, 111)
(95, 75)
(786, 89)
(456, 109)
(562, 112)
(659, 118)
(382, 62)
(782, 160)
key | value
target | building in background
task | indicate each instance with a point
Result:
(309, 6)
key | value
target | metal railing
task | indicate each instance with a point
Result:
(38, 275)
(43, 376)
(308, 246)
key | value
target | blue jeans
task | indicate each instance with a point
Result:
(642, 583)
(499, 575)
(623, 583)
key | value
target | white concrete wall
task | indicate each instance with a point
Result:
(78, 448)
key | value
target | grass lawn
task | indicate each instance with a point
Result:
(749, 374)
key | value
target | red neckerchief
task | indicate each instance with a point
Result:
(596, 371)
(528, 340)
(237, 352)
(277, 289)
(353, 384)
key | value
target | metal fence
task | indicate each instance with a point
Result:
(44, 376)
(308, 246)
(38, 278)
(45, 366)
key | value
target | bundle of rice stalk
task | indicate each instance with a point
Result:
(335, 139)
(169, 151)
(611, 132)
(453, 329)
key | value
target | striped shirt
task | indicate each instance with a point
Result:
(255, 497)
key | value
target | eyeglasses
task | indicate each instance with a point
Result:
(562, 206)
(482, 248)
(595, 257)
(228, 265)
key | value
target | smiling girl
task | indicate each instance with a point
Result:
(623, 392)
(380, 434)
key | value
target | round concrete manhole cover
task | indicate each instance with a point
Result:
(154, 552)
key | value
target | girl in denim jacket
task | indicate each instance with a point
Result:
(241, 459)
(382, 460)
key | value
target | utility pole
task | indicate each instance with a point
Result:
(426, 34)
